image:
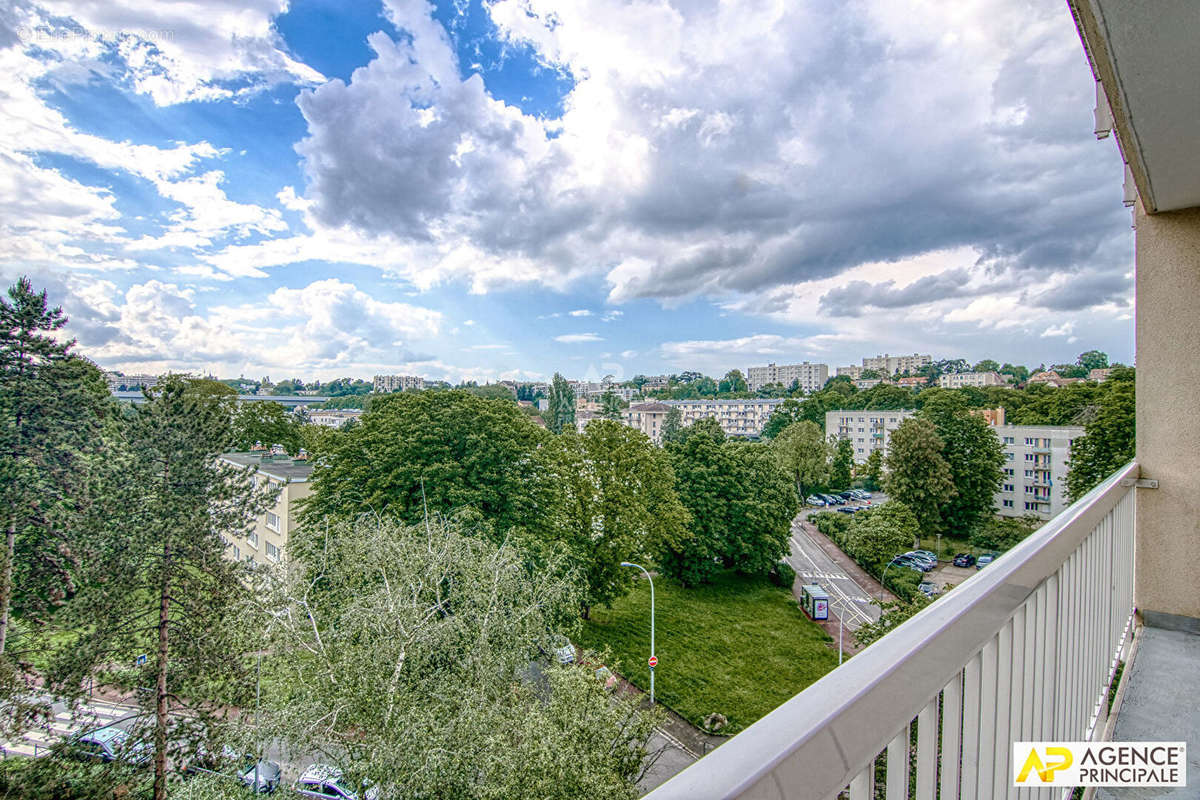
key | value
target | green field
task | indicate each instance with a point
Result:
(739, 646)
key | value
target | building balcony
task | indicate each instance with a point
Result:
(1024, 650)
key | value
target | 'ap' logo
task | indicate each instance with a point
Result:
(1046, 770)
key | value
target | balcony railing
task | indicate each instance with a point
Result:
(1022, 651)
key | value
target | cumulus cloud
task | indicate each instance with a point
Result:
(681, 167)
(578, 338)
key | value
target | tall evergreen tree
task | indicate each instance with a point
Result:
(672, 425)
(561, 415)
(610, 406)
(52, 404)
(156, 580)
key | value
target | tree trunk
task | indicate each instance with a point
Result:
(6, 581)
(160, 708)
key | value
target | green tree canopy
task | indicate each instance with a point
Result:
(1092, 359)
(802, 453)
(733, 381)
(268, 423)
(917, 474)
(672, 425)
(842, 464)
(561, 414)
(974, 454)
(607, 496)
(1109, 439)
(610, 406)
(441, 451)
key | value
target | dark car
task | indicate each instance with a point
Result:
(110, 744)
(833, 500)
(848, 509)
(964, 560)
(847, 496)
(912, 564)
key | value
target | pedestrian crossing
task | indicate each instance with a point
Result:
(91, 716)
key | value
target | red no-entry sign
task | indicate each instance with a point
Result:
(653, 662)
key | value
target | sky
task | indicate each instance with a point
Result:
(503, 189)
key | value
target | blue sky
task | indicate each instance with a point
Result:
(518, 187)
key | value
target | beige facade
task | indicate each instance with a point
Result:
(266, 542)
(890, 365)
(745, 418)
(648, 418)
(1035, 469)
(957, 380)
(852, 372)
(397, 383)
(811, 377)
(867, 430)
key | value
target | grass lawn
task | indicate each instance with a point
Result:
(739, 646)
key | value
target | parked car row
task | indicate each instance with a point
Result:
(838, 499)
(918, 560)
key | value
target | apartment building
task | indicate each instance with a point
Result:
(648, 418)
(890, 365)
(957, 380)
(397, 383)
(118, 382)
(266, 541)
(334, 418)
(811, 377)
(852, 372)
(1035, 469)
(655, 382)
(867, 430)
(736, 417)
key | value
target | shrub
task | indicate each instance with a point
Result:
(783, 575)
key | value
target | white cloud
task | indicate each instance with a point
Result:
(580, 312)
(577, 338)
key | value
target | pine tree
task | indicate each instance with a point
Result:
(51, 406)
(610, 407)
(672, 425)
(156, 579)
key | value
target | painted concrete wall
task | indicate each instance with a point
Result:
(1168, 425)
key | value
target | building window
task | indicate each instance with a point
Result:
(1029, 456)
(252, 538)
(272, 552)
(1008, 440)
(1007, 503)
(1008, 487)
(1028, 473)
(273, 521)
(1008, 456)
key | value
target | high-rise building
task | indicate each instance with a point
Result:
(265, 543)
(811, 377)
(397, 383)
(890, 365)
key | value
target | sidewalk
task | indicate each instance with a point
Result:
(851, 568)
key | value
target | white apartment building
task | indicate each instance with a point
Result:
(852, 372)
(265, 542)
(866, 430)
(397, 383)
(1035, 469)
(118, 382)
(957, 380)
(1035, 457)
(811, 377)
(736, 417)
(890, 365)
(334, 418)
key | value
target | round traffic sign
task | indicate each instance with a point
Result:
(653, 662)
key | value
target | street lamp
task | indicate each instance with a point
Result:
(884, 575)
(652, 660)
(840, 605)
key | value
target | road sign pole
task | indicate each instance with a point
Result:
(653, 658)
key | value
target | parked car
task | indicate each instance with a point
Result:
(914, 560)
(863, 494)
(922, 557)
(831, 500)
(859, 494)
(849, 509)
(929, 589)
(847, 495)
(927, 554)
(813, 500)
(268, 775)
(964, 560)
(325, 782)
(901, 561)
(564, 652)
(110, 744)
(985, 559)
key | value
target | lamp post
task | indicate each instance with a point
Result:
(839, 604)
(884, 575)
(653, 660)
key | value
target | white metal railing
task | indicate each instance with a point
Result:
(1022, 651)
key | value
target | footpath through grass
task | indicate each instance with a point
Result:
(739, 646)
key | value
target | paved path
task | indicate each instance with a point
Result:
(96, 714)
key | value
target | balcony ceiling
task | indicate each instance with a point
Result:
(1148, 57)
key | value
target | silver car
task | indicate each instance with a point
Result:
(325, 782)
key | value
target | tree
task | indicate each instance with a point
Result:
(52, 405)
(802, 452)
(1004, 533)
(892, 615)
(975, 456)
(784, 415)
(842, 465)
(1019, 373)
(1108, 440)
(155, 578)
(413, 671)
(561, 415)
(875, 540)
(610, 406)
(1092, 359)
(436, 451)
(733, 381)
(672, 425)
(607, 496)
(987, 365)
(268, 423)
(874, 470)
(917, 474)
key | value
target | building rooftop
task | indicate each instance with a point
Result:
(284, 468)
